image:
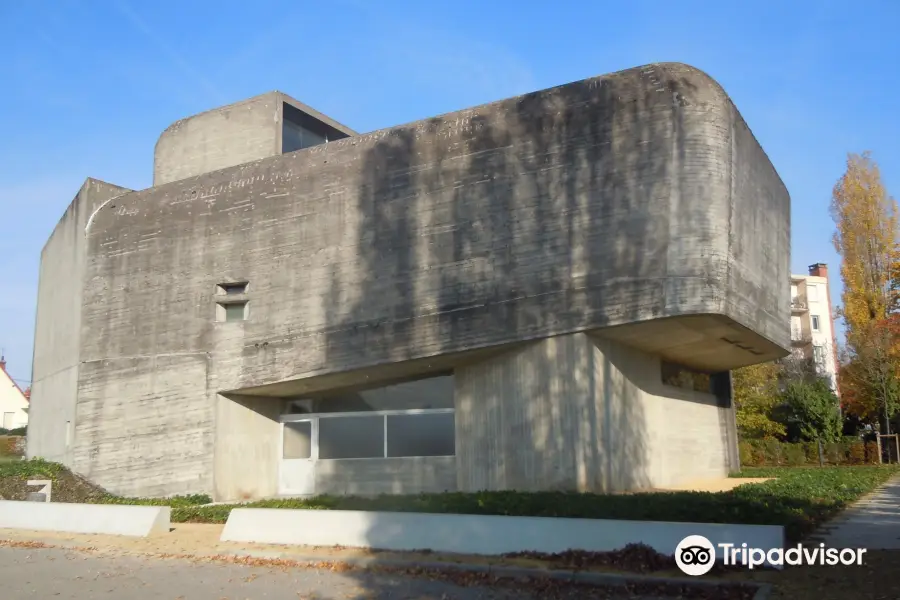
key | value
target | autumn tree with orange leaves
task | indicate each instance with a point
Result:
(867, 240)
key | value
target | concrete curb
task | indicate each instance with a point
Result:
(91, 519)
(599, 579)
(488, 535)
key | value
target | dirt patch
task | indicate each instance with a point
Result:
(717, 485)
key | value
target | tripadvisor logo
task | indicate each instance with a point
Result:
(695, 555)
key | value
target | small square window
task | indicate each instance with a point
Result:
(815, 322)
(231, 311)
(232, 289)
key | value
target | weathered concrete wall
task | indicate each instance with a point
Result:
(609, 201)
(594, 204)
(531, 420)
(247, 437)
(372, 476)
(227, 136)
(759, 276)
(686, 433)
(145, 425)
(573, 413)
(57, 340)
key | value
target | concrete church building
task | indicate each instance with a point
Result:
(542, 293)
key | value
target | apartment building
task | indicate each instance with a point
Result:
(812, 321)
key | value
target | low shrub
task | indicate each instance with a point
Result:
(772, 453)
(37, 468)
(8, 446)
(799, 498)
(748, 457)
(795, 455)
(173, 501)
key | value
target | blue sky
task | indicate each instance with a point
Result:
(88, 85)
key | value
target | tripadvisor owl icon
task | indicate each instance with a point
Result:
(695, 555)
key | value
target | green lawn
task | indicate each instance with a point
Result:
(799, 499)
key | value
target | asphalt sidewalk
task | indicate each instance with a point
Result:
(872, 523)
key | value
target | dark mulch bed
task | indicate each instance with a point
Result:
(633, 558)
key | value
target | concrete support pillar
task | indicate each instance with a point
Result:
(246, 448)
(554, 415)
(579, 413)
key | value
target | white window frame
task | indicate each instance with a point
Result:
(812, 292)
(815, 323)
(384, 414)
(819, 354)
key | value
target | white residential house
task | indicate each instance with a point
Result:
(812, 322)
(13, 401)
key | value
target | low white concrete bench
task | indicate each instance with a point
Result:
(114, 519)
(477, 534)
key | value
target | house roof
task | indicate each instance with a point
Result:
(26, 393)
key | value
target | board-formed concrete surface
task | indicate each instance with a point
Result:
(477, 534)
(227, 136)
(115, 519)
(617, 200)
(636, 207)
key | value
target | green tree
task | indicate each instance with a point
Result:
(812, 408)
(755, 400)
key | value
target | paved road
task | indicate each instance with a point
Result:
(53, 573)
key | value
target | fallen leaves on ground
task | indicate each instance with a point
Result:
(546, 588)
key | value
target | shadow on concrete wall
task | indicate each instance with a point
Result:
(500, 219)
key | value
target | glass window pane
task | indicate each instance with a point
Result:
(678, 376)
(297, 440)
(296, 137)
(421, 435)
(351, 437)
(234, 312)
(434, 392)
